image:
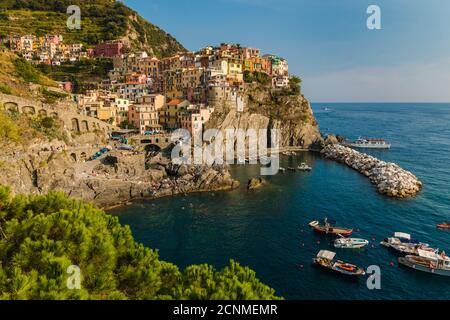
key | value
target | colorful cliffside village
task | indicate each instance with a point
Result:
(155, 95)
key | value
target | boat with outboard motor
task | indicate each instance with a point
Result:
(328, 228)
(350, 243)
(430, 262)
(326, 260)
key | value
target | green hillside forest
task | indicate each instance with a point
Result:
(101, 20)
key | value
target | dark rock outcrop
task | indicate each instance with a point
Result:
(116, 179)
(255, 183)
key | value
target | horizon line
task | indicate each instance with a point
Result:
(379, 102)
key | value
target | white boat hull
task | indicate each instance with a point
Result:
(418, 267)
(350, 243)
(367, 146)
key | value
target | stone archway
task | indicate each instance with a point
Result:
(83, 156)
(54, 115)
(84, 126)
(11, 106)
(73, 156)
(42, 112)
(28, 110)
(75, 125)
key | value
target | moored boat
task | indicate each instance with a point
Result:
(368, 143)
(350, 243)
(304, 167)
(444, 226)
(402, 243)
(430, 262)
(328, 228)
(326, 260)
(399, 238)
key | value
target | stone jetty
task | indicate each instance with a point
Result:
(389, 178)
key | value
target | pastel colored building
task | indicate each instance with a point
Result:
(109, 49)
(193, 120)
(169, 116)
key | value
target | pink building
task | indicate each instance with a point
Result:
(194, 119)
(109, 49)
(139, 78)
(67, 86)
(145, 114)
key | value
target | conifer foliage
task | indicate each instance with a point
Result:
(41, 236)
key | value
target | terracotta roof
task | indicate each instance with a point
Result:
(175, 102)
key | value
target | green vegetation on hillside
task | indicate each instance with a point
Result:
(19, 129)
(28, 72)
(9, 131)
(41, 236)
(81, 72)
(102, 20)
(258, 77)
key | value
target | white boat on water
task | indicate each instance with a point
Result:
(304, 167)
(430, 262)
(368, 143)
(402, 243)
(350, 243)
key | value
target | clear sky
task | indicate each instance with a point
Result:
(327, 42)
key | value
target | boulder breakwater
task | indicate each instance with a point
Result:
(389, 178)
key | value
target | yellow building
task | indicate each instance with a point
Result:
(108, 114)
(169, 117)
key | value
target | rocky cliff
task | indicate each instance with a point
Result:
(116, 179)
(267, 109)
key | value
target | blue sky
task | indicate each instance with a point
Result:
(327, 42)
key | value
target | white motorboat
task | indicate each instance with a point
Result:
(368, 143)
(350, 243)
(304, 167)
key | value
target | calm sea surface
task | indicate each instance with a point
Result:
(268, 229)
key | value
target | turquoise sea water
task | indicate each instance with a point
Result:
(268, 229)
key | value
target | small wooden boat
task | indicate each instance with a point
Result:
(350, 243)
(328, 228)
(326, 260)
(292, 169)
(430, 262)
(444, 226)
